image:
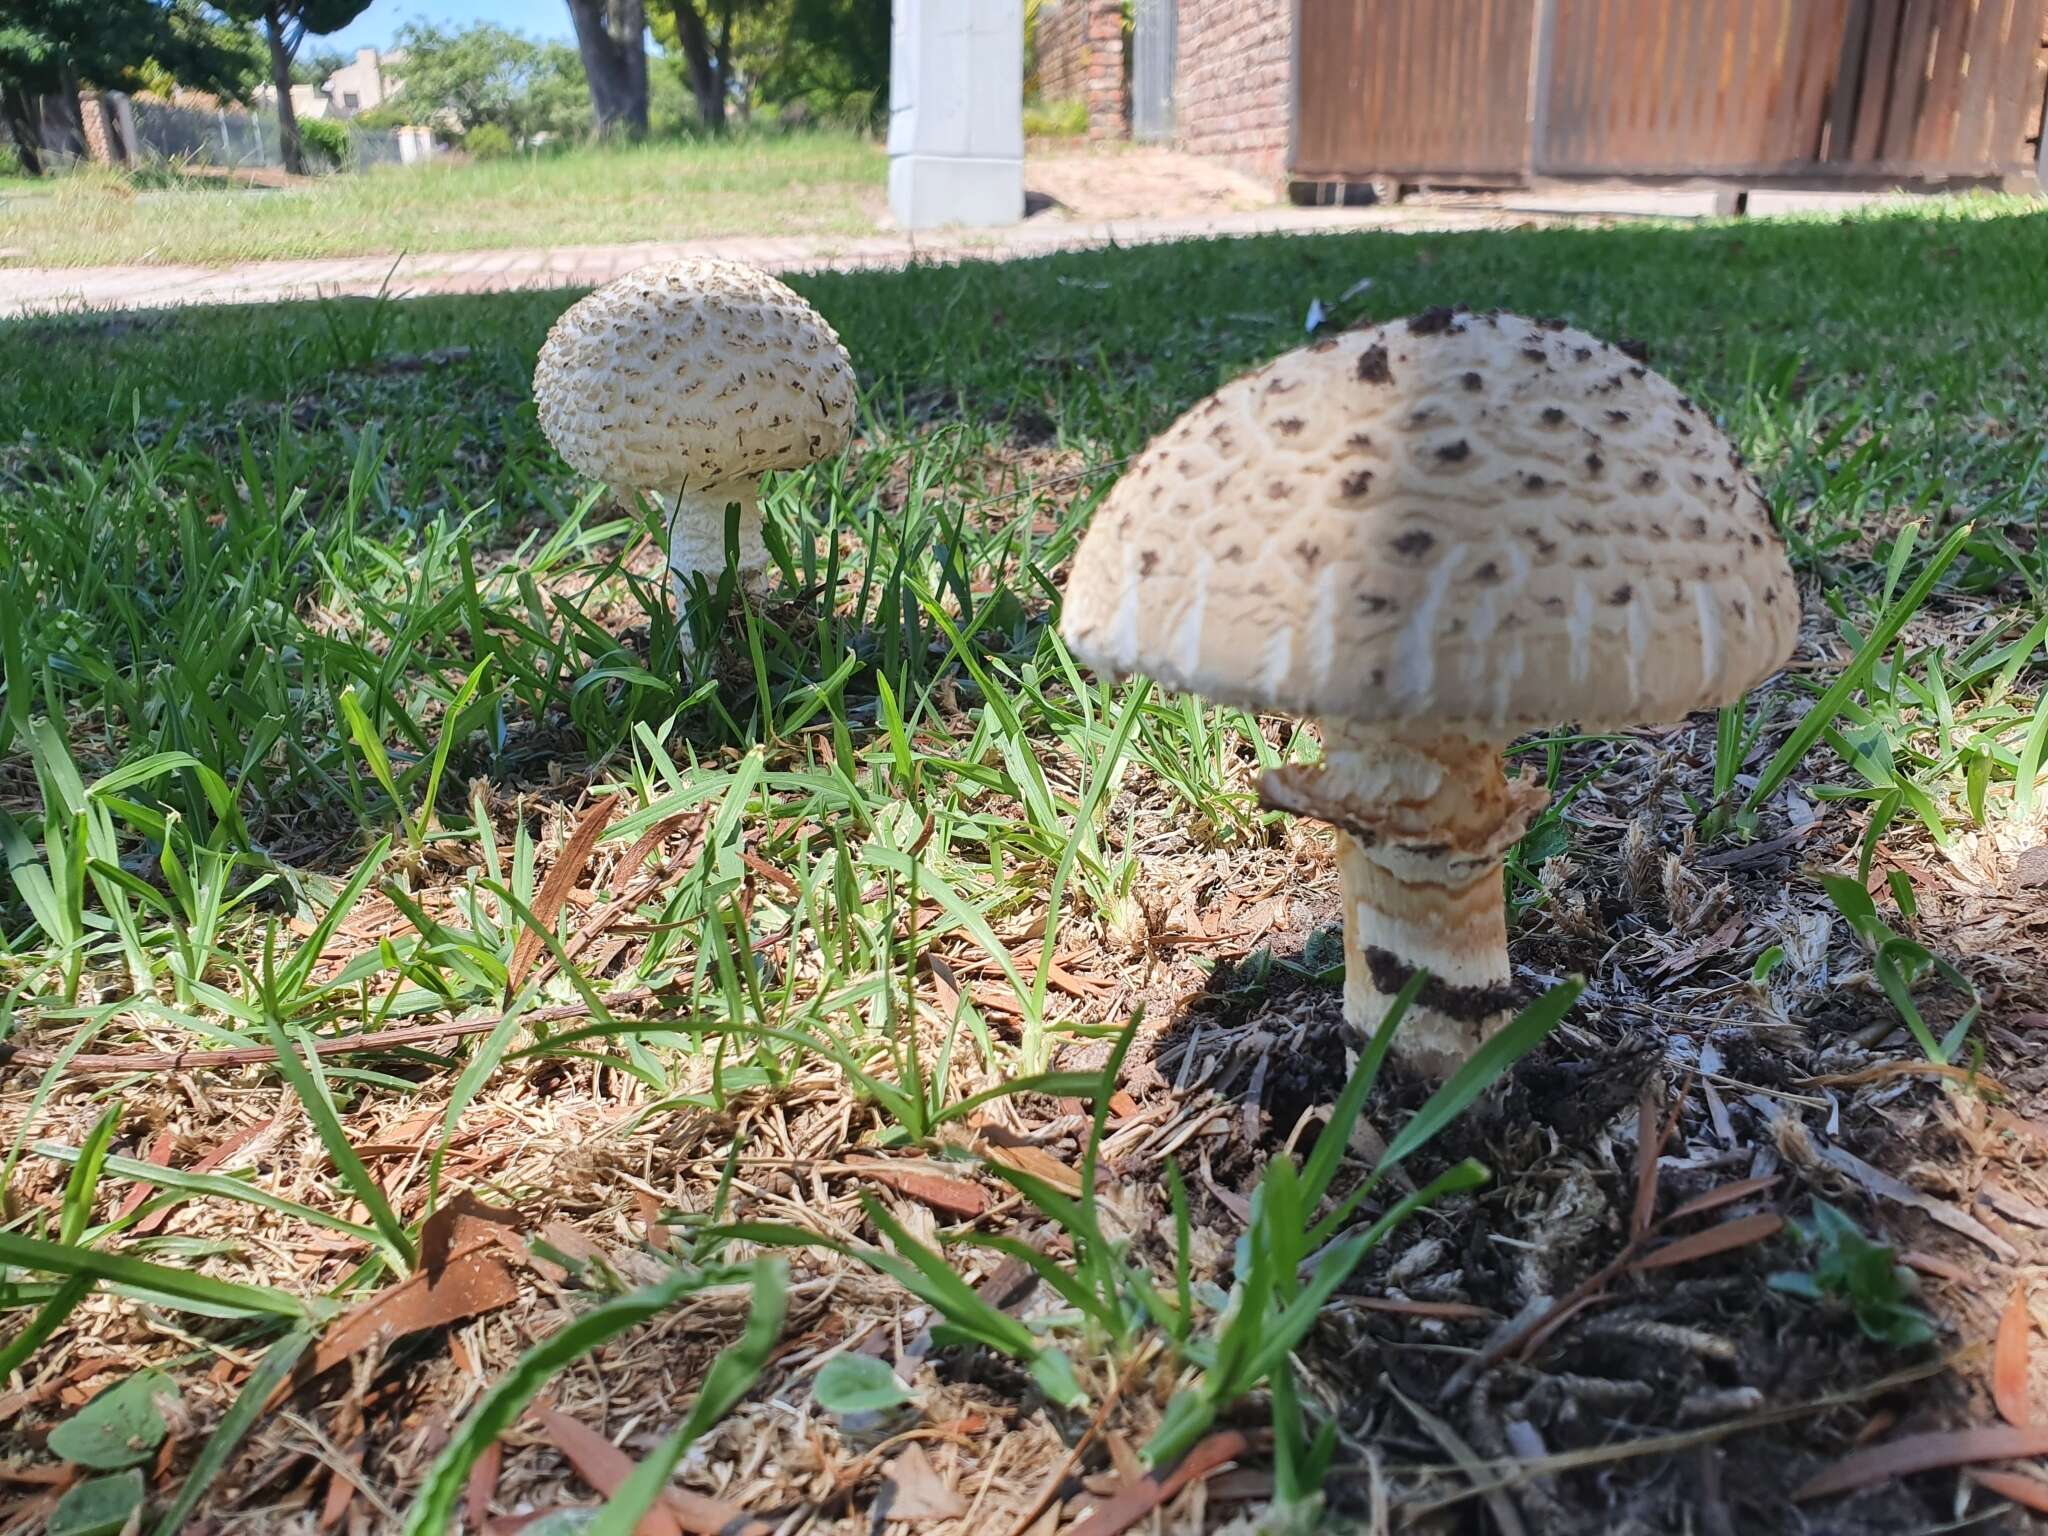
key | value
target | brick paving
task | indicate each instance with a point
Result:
(45, 290)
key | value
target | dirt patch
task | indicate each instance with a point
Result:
(1132, 182)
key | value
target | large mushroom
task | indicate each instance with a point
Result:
(1434, 536)
(686, 382)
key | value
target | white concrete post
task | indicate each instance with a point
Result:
(956, 112)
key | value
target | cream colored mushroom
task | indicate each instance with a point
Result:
(1434, 536)
(687, 382)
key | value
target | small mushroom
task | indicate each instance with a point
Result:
(1358, 534)
(686, 382)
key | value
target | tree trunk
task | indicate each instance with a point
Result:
(119, 150)
(609, 35)
(24, 122)
(64, 128)
(281, 79)
(707, 83)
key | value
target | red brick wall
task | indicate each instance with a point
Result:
(1062, 49)
(1236, 81)
(1081, 57)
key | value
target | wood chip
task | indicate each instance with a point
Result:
(1035, 1161)
(942, 1192)
(2011, 1206)
(1935, 1267)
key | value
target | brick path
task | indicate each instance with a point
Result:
(38, 290)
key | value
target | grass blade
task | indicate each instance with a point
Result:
(309, 1081)
(154, 1279)
(731, 1376)
(275, 1366)
(433, 1511)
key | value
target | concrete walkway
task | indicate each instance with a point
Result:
(44, 290)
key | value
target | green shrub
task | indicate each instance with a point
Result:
(1062, 119)
(487, 141)
(326, 142)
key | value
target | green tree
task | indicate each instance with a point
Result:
(701, 31)
(286, 24)
(731, 51)
(488, 75)
(55, 47)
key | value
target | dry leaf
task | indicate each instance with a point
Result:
(554, 891)
(1924, 1453)
(481, 1484)
(212, 1160)
(463, 1221)
(605, 1467)
(1725, 1238)
(1648, 1146)
(2010, 1359)
(1727, 1194)
(159, 1153)
(1935, 1267)
(473, 1279)
(341, 1491)
(1879, 1183)
(2027, 1492)
(913, 1491)
(1138, 1501)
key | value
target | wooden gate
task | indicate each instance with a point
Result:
(1155, 28)
(1756, 90)
(1442, 84)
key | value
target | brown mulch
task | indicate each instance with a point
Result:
(1678, 1396)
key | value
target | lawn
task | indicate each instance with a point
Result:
(339, 713)
(815, 183)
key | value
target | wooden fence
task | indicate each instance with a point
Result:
(1494, 91)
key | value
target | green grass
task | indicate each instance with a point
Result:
(769, 184)
(286, 621)
(1060, 118)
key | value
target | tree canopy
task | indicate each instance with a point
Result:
(54, 47)
(488, 74)
(47, 44)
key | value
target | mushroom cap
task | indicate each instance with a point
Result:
(1464, 522)
(691, 374)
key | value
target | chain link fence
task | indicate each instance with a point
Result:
(235, 139)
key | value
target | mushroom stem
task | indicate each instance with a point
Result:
(696, 537)
(1422, 827)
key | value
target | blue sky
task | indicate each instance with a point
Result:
(376, 26)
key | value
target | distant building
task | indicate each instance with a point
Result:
(365, 84)
(308, 101)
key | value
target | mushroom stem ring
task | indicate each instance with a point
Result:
(1422, 830)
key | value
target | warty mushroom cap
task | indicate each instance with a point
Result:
(691, 374)
(1475, 522)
